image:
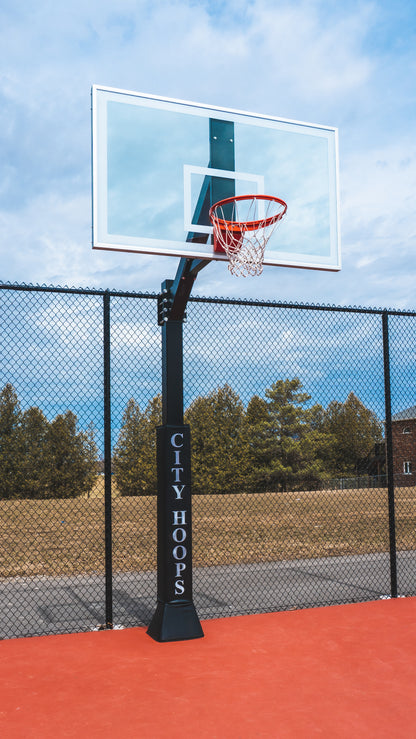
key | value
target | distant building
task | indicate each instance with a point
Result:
(404, 446)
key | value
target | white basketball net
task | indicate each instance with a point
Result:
(242, 228)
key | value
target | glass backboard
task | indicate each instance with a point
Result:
(159, 164)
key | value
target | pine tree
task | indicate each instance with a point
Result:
(283, 443)
(219, 453)
(259, 439)
(354, 429)
(70, 458)
(11, 447)
(134, 457)
(34, 467)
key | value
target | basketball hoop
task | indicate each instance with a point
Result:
(243, 225)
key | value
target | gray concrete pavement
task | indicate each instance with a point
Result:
(51, 605)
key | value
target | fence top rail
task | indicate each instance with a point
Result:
(305, 306)
(74, 290)
(201, 299)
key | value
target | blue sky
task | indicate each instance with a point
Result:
(351, 65)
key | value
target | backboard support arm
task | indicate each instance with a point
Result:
(175, 293)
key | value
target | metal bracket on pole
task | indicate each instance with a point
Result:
(175, 293)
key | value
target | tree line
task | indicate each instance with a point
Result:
(278, 442)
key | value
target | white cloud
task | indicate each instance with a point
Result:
(315, 59)
(348, 65)
(379, 211)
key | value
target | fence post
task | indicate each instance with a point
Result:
(107, 465)
(389, 455)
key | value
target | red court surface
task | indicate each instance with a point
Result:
(343, 671)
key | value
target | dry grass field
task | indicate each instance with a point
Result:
(64, 537)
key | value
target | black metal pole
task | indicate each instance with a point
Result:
(390, 457)
(107, 466)
(175, 617)
(172, 372)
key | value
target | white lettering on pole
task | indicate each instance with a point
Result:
(177, 471)
(179, 552)
(179, 518)
(179, 535)
(180, 567)
(178, 490)
(179, 587)
(173, 441)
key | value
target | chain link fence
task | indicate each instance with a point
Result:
(83, 556)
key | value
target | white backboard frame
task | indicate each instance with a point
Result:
(107, 239)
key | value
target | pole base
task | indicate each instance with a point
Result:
(175, 622)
